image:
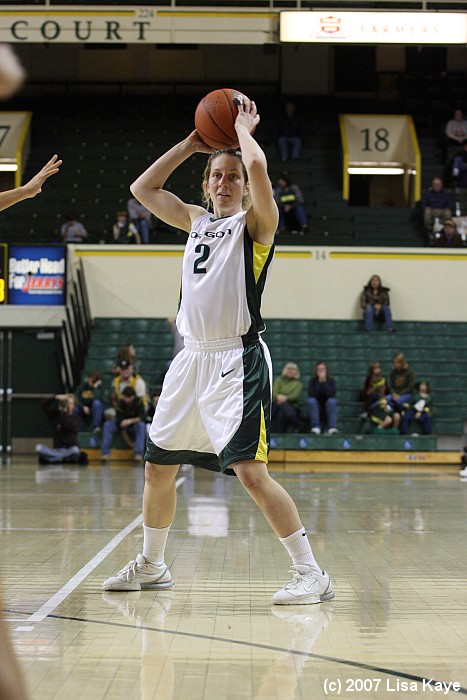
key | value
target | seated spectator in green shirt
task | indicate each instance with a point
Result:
(286, 392)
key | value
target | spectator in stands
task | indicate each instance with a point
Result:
(375, 303)
(456, 133)
(64, 418)
(289, 133)
(289, 199)
(127, 377)
(124, 231)
(125, 352)
(382, 416)
(436, 203)
(286, 392)
(418, 409)
(130, 421)
(375, 386)
(89, 396)
(31, 188)
(73, 231)
(401, 382)
(322, 402)
(449, 238)
(459, 168)
(140, 217)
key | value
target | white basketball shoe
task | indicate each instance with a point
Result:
(139, 574)
(306, 587)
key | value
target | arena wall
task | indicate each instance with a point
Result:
(305, 282)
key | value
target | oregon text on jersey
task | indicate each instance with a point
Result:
(210, 234)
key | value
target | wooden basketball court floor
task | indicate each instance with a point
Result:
(393, 539)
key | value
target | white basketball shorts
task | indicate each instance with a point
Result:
(215, 405)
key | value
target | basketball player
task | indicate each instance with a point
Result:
(215, 404)
(12, 686)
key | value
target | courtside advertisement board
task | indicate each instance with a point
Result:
(37, 275)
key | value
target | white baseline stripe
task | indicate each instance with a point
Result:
(74, 582)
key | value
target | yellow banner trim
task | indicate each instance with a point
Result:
(129, 253)
(399, 256)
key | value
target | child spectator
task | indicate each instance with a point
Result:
(124, 231)
(449, 237)
(376, 386)
(418, 409)
(382, 416)
(89, 396)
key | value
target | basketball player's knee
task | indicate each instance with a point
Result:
(251, 475)
(155, 473)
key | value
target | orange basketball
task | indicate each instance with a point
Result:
(215, 118)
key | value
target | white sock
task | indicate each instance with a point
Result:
(154, 543)
(299, 549)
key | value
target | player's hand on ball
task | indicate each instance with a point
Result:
(247, 115)
(198, 144)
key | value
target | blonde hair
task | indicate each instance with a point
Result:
(295, 367)
(400, 357)
(246, 200)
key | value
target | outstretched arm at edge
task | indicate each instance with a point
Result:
(31, 188)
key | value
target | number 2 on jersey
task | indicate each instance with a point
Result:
(204, 250)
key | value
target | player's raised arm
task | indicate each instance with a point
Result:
(31, 188)
(148, 188)
(263, 216)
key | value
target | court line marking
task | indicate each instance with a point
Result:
(269, 647)
(57, 599)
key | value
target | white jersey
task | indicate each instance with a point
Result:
(224, 272)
